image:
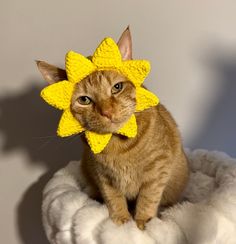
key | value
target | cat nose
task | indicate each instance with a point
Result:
(107, 113)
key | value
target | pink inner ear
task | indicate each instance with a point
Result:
(125, 45)
(126, 53)
(50, 72)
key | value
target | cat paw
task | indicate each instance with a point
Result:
(140, 224)
(121, 219)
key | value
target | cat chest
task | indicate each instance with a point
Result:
(126, 179)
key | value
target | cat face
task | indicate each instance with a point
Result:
(103, 101)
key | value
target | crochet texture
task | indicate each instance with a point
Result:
(106, 57)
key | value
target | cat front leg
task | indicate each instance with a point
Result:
(149, 199)
(115, 201)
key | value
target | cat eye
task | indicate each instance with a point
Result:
(117, 88)
(84, 100)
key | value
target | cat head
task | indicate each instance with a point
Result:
(104, 100)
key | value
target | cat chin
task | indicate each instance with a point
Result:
(112, 128)
(107, 127)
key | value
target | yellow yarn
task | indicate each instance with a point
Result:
(96, 141)
(145, 99)
(106, 57)
(130, 128)
(58, 94)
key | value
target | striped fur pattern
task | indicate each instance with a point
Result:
(150, 169)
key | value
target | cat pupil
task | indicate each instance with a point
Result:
(117, 87)
(84, 100)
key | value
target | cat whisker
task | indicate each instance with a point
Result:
(70, 139)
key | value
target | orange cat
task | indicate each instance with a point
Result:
(150, 168)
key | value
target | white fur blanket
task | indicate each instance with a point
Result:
(209, 215)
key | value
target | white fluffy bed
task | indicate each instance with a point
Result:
(209, 215)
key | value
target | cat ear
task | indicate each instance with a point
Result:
(50, 72)
(125, 44)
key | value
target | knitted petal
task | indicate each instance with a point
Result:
(145, 99)
(58, 94)
(78, 67)
(136, 70)
(97, 142)
(130, 128)
(68, 125)
(107, 55)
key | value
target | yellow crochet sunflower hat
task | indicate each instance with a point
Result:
(106, 57)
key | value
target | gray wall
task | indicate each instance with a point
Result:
(192, 47)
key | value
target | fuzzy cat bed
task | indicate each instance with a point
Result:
(207, 216)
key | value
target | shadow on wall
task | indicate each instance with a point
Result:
(219, 132)
(28, 123)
